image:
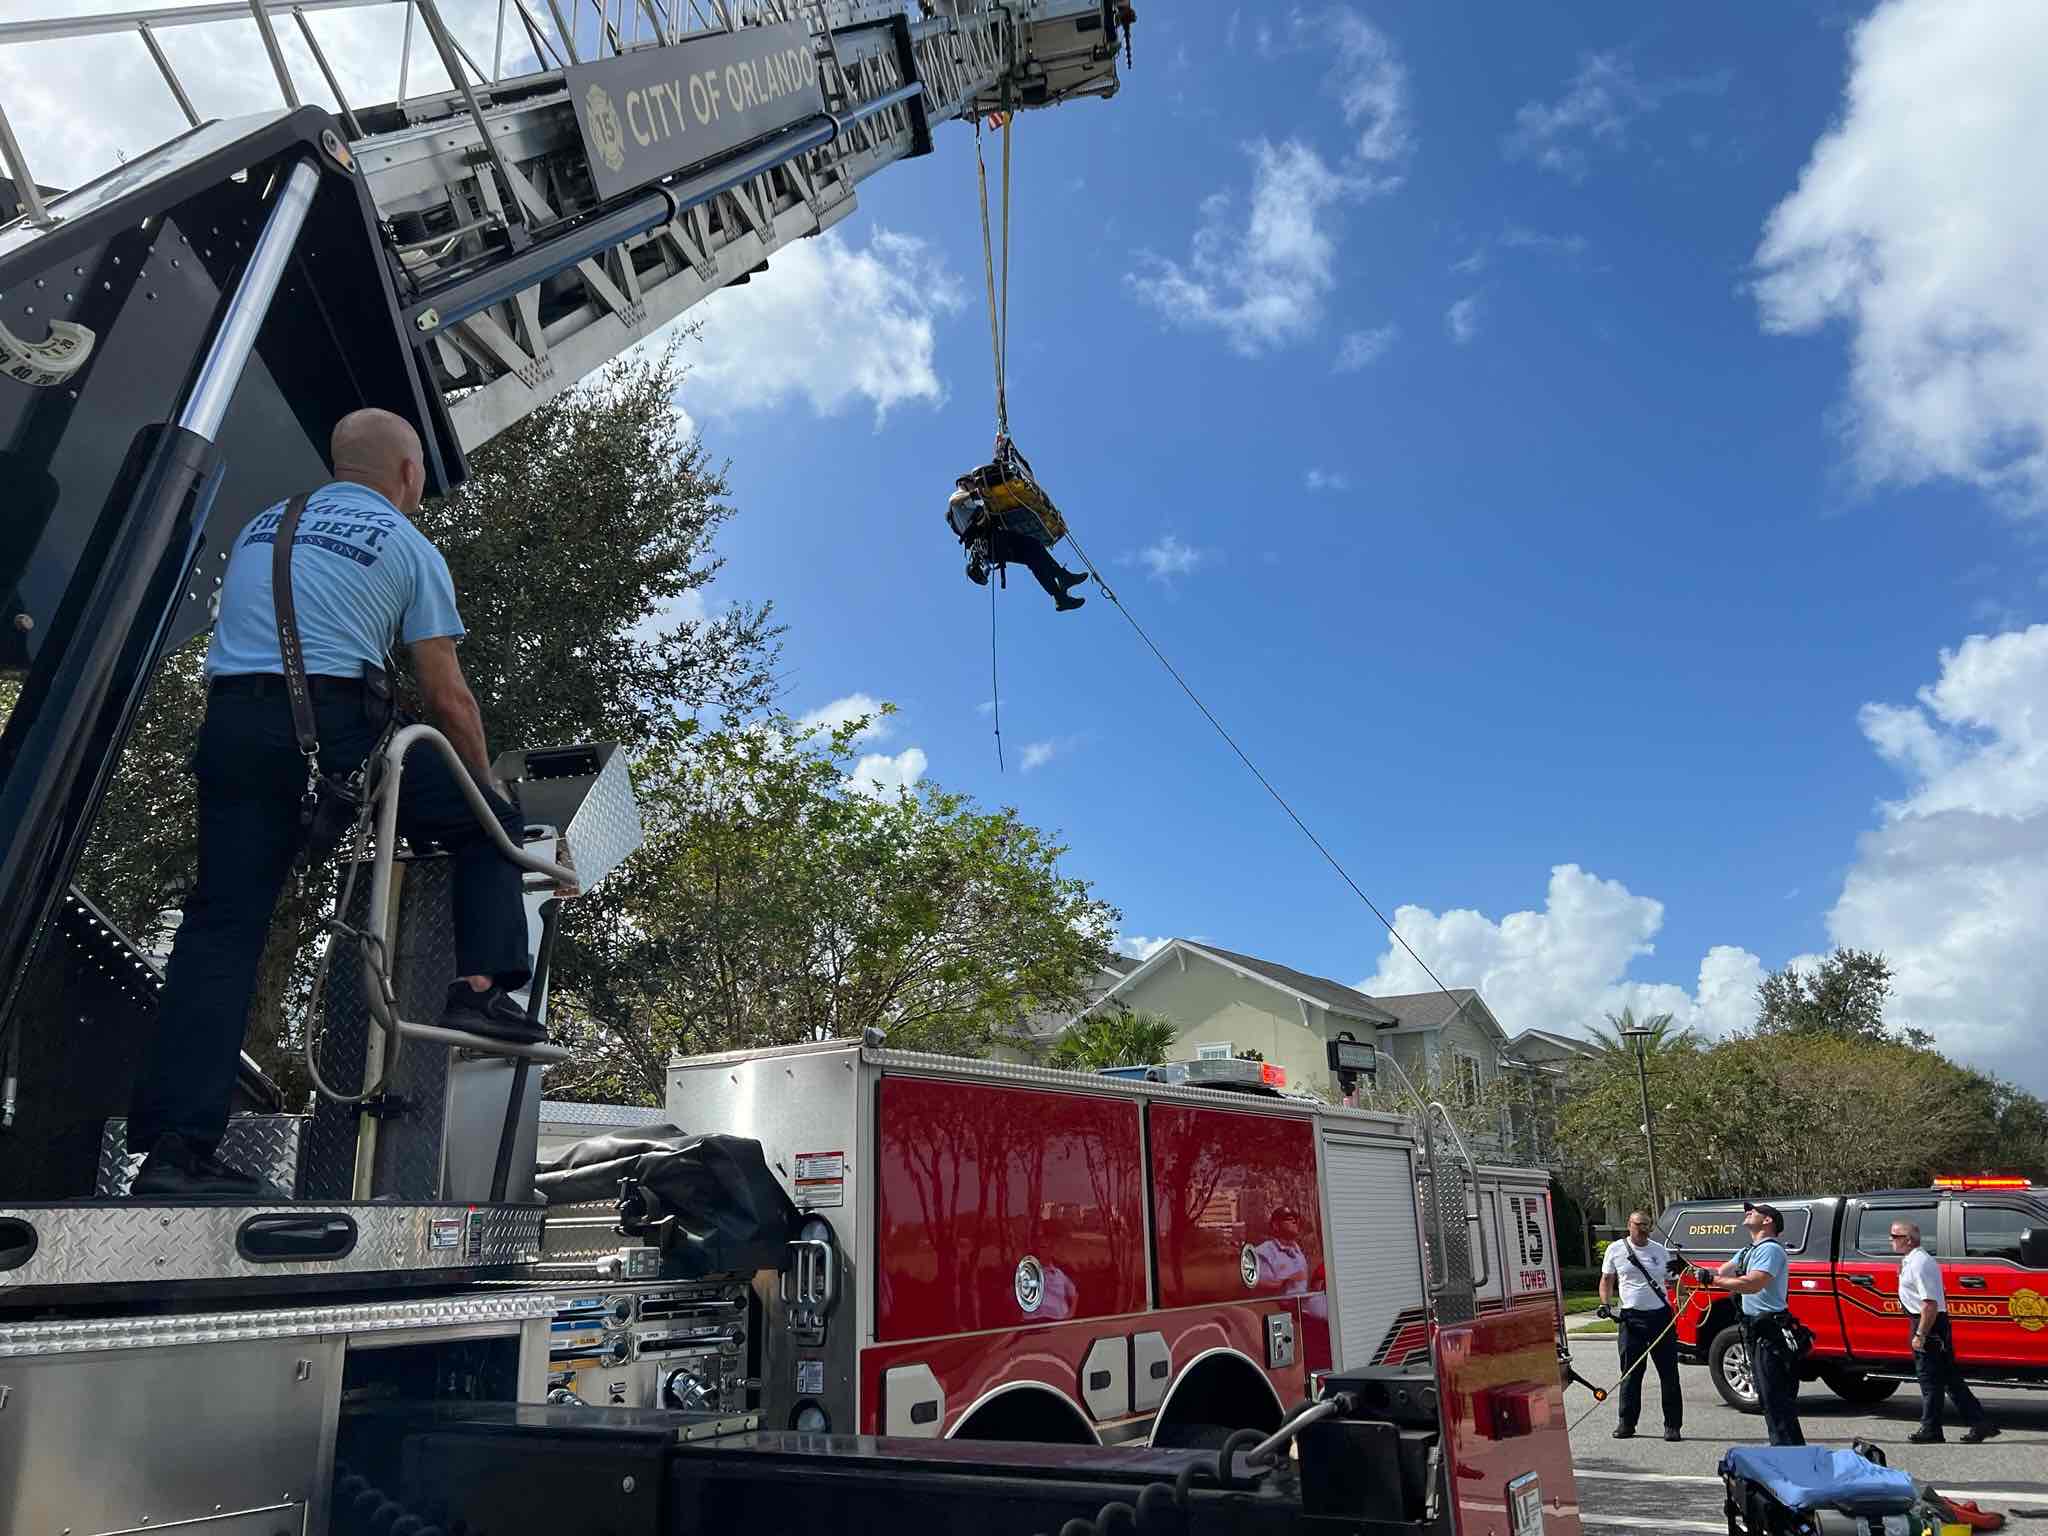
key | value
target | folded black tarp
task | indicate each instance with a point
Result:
(712, 1200)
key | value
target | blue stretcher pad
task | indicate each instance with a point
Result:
(1810, 1477)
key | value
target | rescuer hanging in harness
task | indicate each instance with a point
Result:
(1002, 516)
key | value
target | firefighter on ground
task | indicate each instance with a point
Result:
(1003, 517)
(363, 579)
(1925, 1303)
(1640, 1267)
(1758, 1275)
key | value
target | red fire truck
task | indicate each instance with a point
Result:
(1002, 1251)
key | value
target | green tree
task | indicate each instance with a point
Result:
(579, 548)
(779, 900)
(1614, 1040)
(1844, 996)
(1114, 1037)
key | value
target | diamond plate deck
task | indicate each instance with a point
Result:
(133, 1243)
(409, 1145)
(265, 1145)
(82, 1336)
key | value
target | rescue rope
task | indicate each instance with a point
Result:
(995, 686)
(1264, 782)
(998, 311)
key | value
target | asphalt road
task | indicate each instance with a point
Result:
(1648, 1485)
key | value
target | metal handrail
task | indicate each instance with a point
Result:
(377, 981)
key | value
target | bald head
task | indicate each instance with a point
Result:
(380, 450)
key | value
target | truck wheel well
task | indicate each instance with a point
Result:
(1219, 1389)
(1026, 1411)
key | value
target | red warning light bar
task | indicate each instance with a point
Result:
(1965, 1181)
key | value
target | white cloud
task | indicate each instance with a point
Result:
(1328, 480)
(882, 776)
(1597, 110)
(1914, 223)
(1259, 278)
(1038, 753)
(1520, 237)
(1138, 947)
(1565, 968)
(1168, 557)
(833, 324)
(1462, 319)
(1361, 349)
(1952, 885)
(828, 718)
(1261, 265)
(1473, 265)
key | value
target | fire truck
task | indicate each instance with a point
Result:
(1008, 1299)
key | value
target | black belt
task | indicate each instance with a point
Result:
(261, 684)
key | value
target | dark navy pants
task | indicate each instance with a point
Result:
(1648, 1331)
(1776, 1375)
(1935, 1366)
(251, 777)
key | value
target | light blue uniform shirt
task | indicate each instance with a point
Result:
(1766, 1257)
(363, 579)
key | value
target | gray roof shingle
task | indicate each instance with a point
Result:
(1427, 1010)
(1332, 993)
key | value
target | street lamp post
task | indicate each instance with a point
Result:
(1642, 1036)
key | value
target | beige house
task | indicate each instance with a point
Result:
(1227, 1003)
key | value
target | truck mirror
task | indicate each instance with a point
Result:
(2034, 1248)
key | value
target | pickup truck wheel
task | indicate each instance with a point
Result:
(1734, 1377)
(1855, 1387)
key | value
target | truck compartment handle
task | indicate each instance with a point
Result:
(1863, 1280)
(1971, 1282)
(289, 1238)
(17, 1243)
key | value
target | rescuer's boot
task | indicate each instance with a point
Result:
(177, 1170)
(1067, 604)
(490, 1012)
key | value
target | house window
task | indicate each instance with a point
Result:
(1467, 1078)
(1213, 1052)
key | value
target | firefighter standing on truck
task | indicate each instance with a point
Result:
(1640, 1267)
(1758, 1275)
(364, 578)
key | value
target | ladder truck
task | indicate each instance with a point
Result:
(415, 1343)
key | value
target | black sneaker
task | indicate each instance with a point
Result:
(1926, 1437)
(177, 1170)
(1977, 1434)
(491, 1013)
(1072, 579)
(1624, 1432)
(1066, 604)
(1673, 1435)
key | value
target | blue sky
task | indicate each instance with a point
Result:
(1590, 566)
(1592, 457)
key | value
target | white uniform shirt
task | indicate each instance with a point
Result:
(1920, 1280)
(1637, 1294)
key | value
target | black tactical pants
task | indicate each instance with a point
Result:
(251, 777)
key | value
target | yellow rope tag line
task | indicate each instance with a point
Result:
(47, 362)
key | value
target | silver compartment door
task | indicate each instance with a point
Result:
(1375, 1257)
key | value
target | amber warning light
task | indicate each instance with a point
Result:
(1965, 1181)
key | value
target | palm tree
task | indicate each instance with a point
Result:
(1615, 1042)
(1120, 1038)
